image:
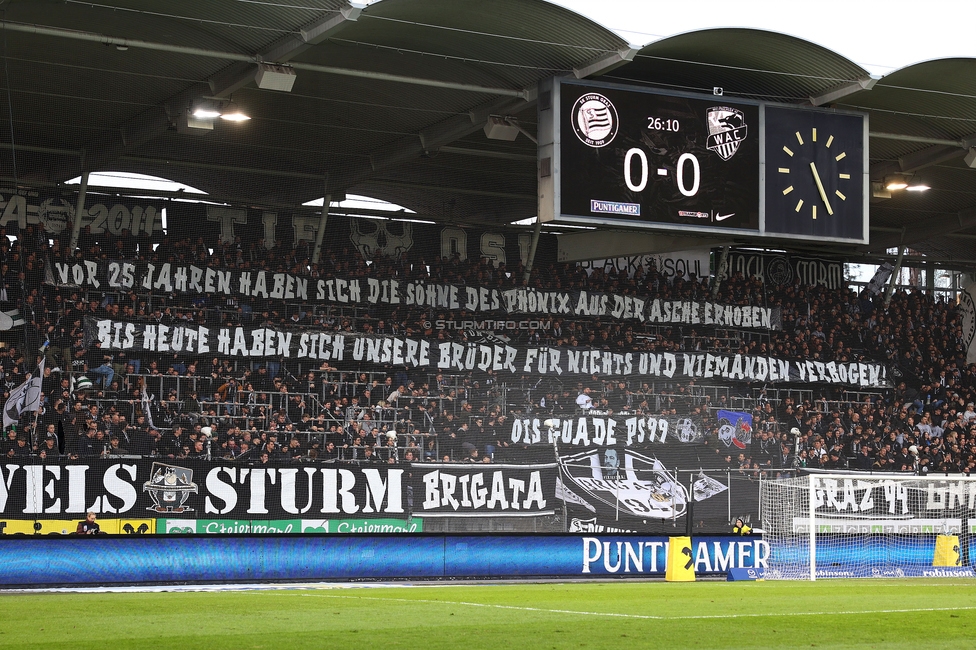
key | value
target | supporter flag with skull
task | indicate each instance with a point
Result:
(735, 428)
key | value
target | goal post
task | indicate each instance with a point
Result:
(850, 525)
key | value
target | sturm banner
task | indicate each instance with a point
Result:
(608, 490)
(193, 489)
(200, 281)
(783, 269)
(388, 351)
(103, 214)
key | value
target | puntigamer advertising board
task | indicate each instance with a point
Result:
(638, 157)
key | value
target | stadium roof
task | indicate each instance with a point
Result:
(390, 100)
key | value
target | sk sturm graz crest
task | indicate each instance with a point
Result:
(594, 120)
(727, 128)
(169, 487)
(641, 487)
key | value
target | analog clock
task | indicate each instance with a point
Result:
(814, 173)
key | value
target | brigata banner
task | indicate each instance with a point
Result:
(387, 351)
(218, 491)
(199, 281)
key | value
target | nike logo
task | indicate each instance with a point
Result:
(723, 217)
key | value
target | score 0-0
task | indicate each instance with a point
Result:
(673, 126)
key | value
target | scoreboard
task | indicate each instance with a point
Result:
(628, 156)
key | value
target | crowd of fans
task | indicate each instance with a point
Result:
(102, 403)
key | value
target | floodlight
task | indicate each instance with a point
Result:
(233, 113)
(895, 183)
(205, 109)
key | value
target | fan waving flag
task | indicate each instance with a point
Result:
(24, 398)
(147, 407)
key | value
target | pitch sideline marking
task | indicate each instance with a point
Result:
(642, 616)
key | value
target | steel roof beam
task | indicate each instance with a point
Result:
(151, 123)
(917, 160)
(606, 63)
(427, 141)
(962, 144)
(224, 83)
(486, 153)
(841, 90)
(255, 58)
(926, 229)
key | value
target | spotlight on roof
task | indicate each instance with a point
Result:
(233, 113)
(918, 188)
(205, 109)
(895, 183)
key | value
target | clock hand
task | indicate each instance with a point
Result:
(823, 193)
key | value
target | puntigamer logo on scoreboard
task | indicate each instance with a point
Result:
(595, 120)
(611, 207)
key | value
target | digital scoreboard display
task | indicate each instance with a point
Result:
(636, 157)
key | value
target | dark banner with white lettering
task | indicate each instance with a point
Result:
(785, 269)
(396, 237)
(392, 351)
(197, 282)
(628, 473)
(106, 217)
(189, 488)
(118, 225)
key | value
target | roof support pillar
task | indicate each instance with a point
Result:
(80, 207)
(723, 265)
(320, 233)
(533, 246)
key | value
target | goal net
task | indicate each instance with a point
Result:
(857, 526)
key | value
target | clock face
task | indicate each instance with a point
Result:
(814, 173)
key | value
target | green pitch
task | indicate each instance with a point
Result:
(825, 614)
